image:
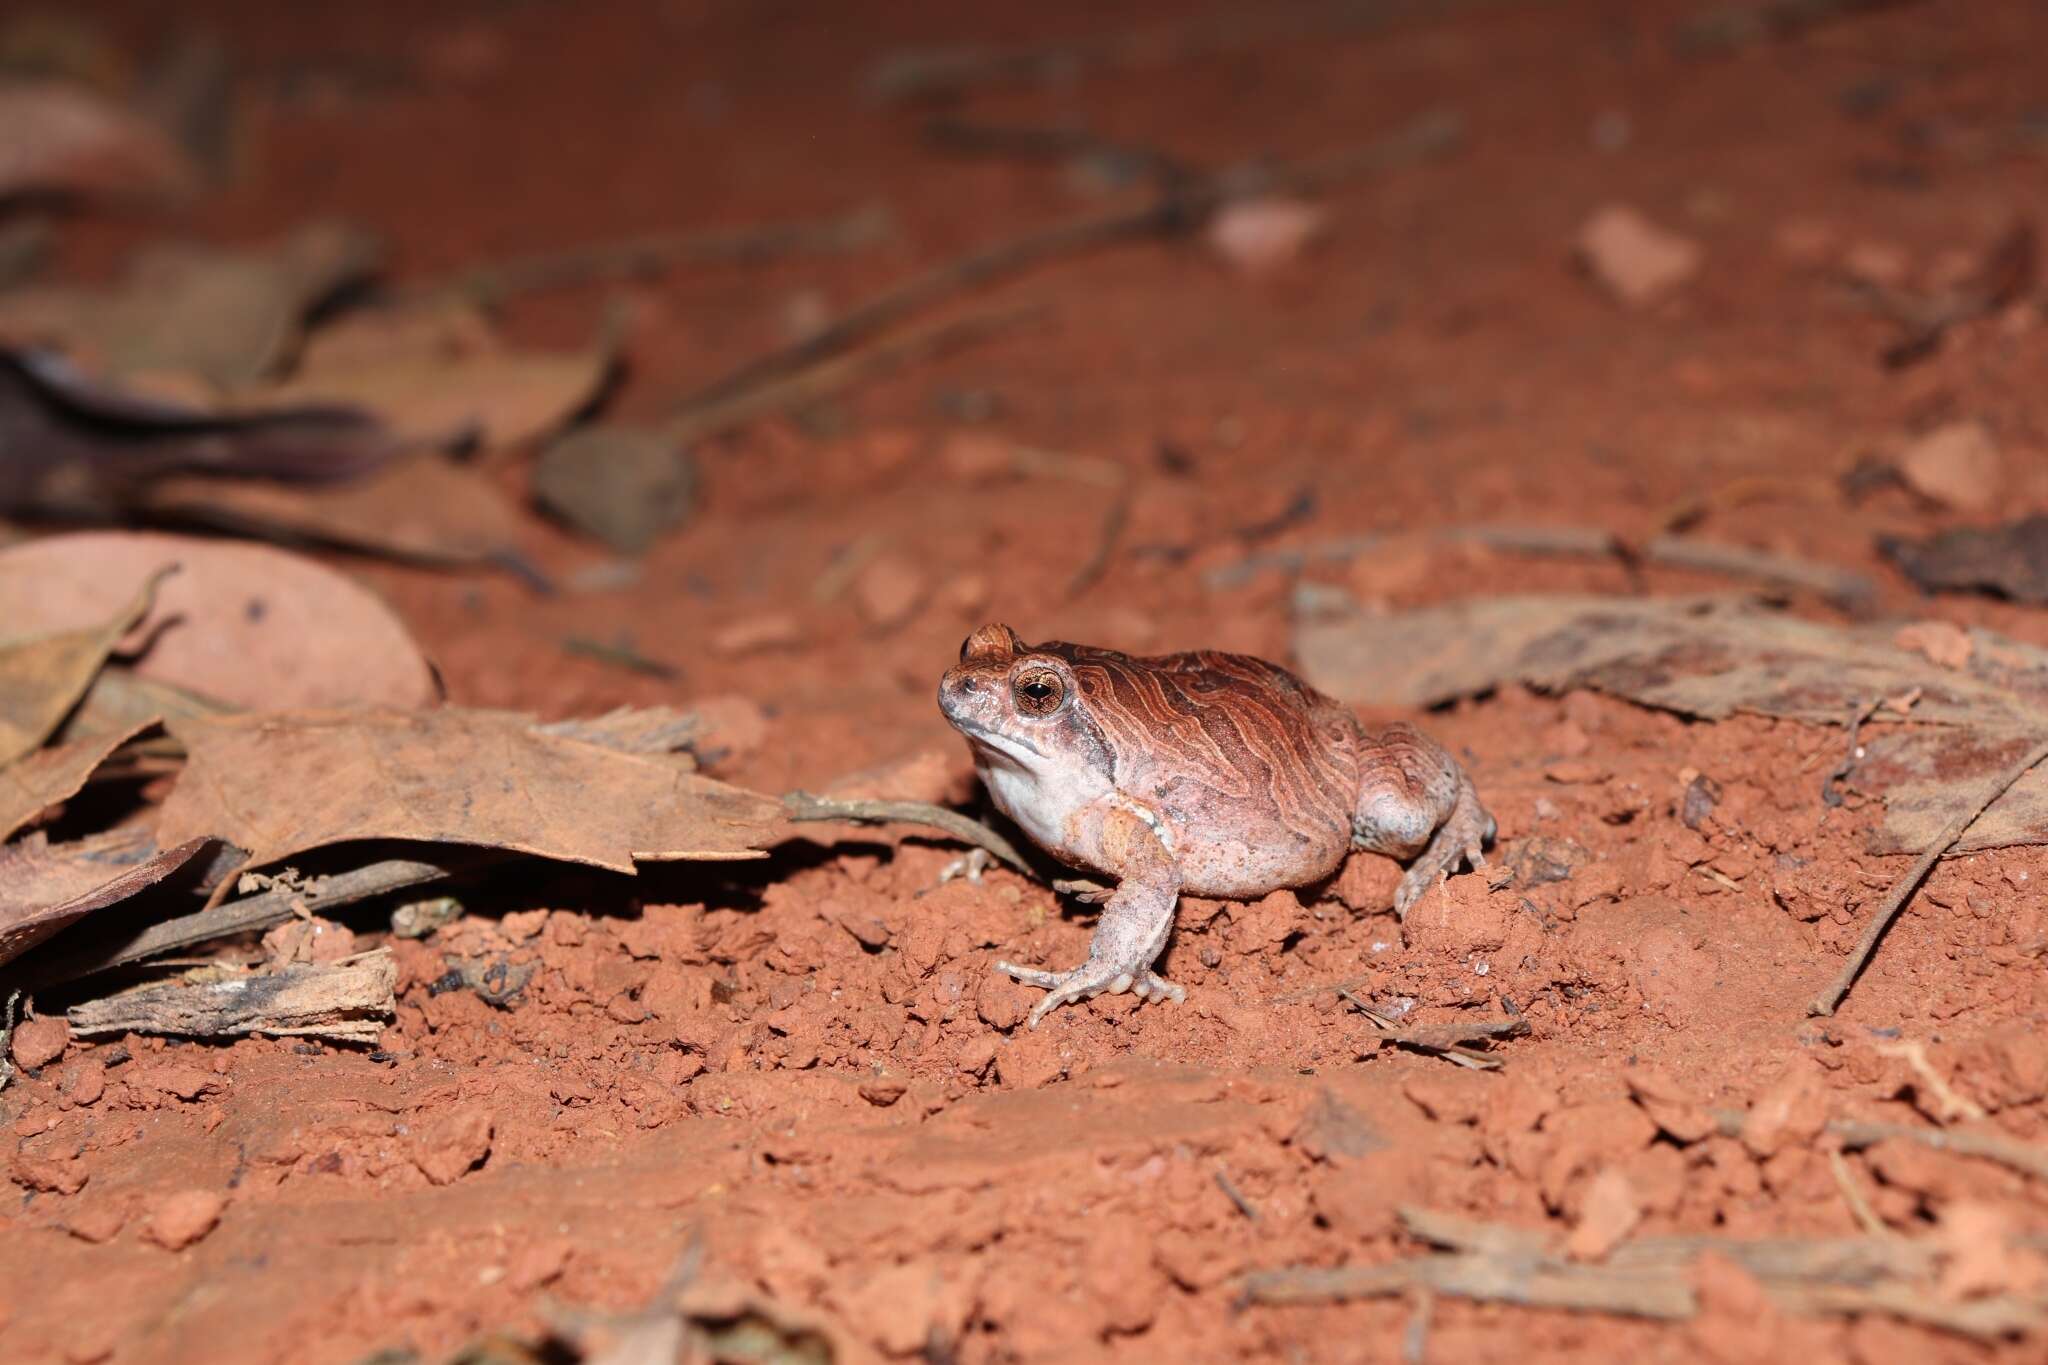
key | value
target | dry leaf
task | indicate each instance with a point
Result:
(424, 510)
(346, 1001)
(1704, 657)
(244, 624)
(118, 700)
(45, 886)
(193, 322)
(439, 377)
(60, 138)
(53, 775)
(2011, 560)
(278, 785)
(621, 485)
(1713, 658)
(43, 676)
(76, 448)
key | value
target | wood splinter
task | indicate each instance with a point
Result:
(347, 1001)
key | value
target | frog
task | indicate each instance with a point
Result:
(1203, 773)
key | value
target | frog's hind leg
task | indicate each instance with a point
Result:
(1415, 803)
(1132, 932)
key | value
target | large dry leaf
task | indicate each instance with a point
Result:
(77, 448)
(119, 701)
(45, 886)
(191, 321)
(60, 138)
(348, 1001)
(424, 510)
(1923, 773)
(439, 377)
(1714, 658)
(243, 624)
(53, 775)
(42, 675)
(276, 786)
(1705, 657)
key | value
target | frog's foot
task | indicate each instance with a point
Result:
(970, 865)
(1089, 979)
(1459, 840)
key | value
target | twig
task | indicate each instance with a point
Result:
(1235, 1195)
(1171, 213)
(645, 257)
(932, 74)
(1859, 1207)
(1443, 1040)
(699, 420)
(1097, 563)
(1653, 1278)
(1902, 891)
(1488, 1279)
(7, 1022)
(801, 806)
(1415, 1340)
(251, 913)
(1847, 589)
(619, 655)
(1829, 795)
(1856, 1134)
(2019, 1156)
(1913, 1052)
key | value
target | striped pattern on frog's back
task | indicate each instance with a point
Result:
(1241, 727)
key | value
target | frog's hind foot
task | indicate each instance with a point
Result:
(1460, 841)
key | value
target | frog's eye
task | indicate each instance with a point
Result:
(964, 644)
(1039, 692)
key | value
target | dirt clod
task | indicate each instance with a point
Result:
(178, 1220)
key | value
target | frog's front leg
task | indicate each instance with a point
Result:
(1135, 922)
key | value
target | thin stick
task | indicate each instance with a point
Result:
(644, 257)
(1176, 211)
(1829, 796)
(1859, 1207)
(1855, 1134)
(1902, 891)
(1235, 1195)
(801, 806)
(2019, 1156)
(700, 420)
(1843, 587)
(7, 1022)
(1443, 1040)
(1415, 1340)
(1106, 540)
(249, 914)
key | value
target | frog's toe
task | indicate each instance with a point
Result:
(1152, 986)
(970, 865)
(1031, 976)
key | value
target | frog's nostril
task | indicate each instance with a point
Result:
(966, 685)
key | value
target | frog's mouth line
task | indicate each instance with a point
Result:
(1006, 745)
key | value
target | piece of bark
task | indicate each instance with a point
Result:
(346, 1001)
